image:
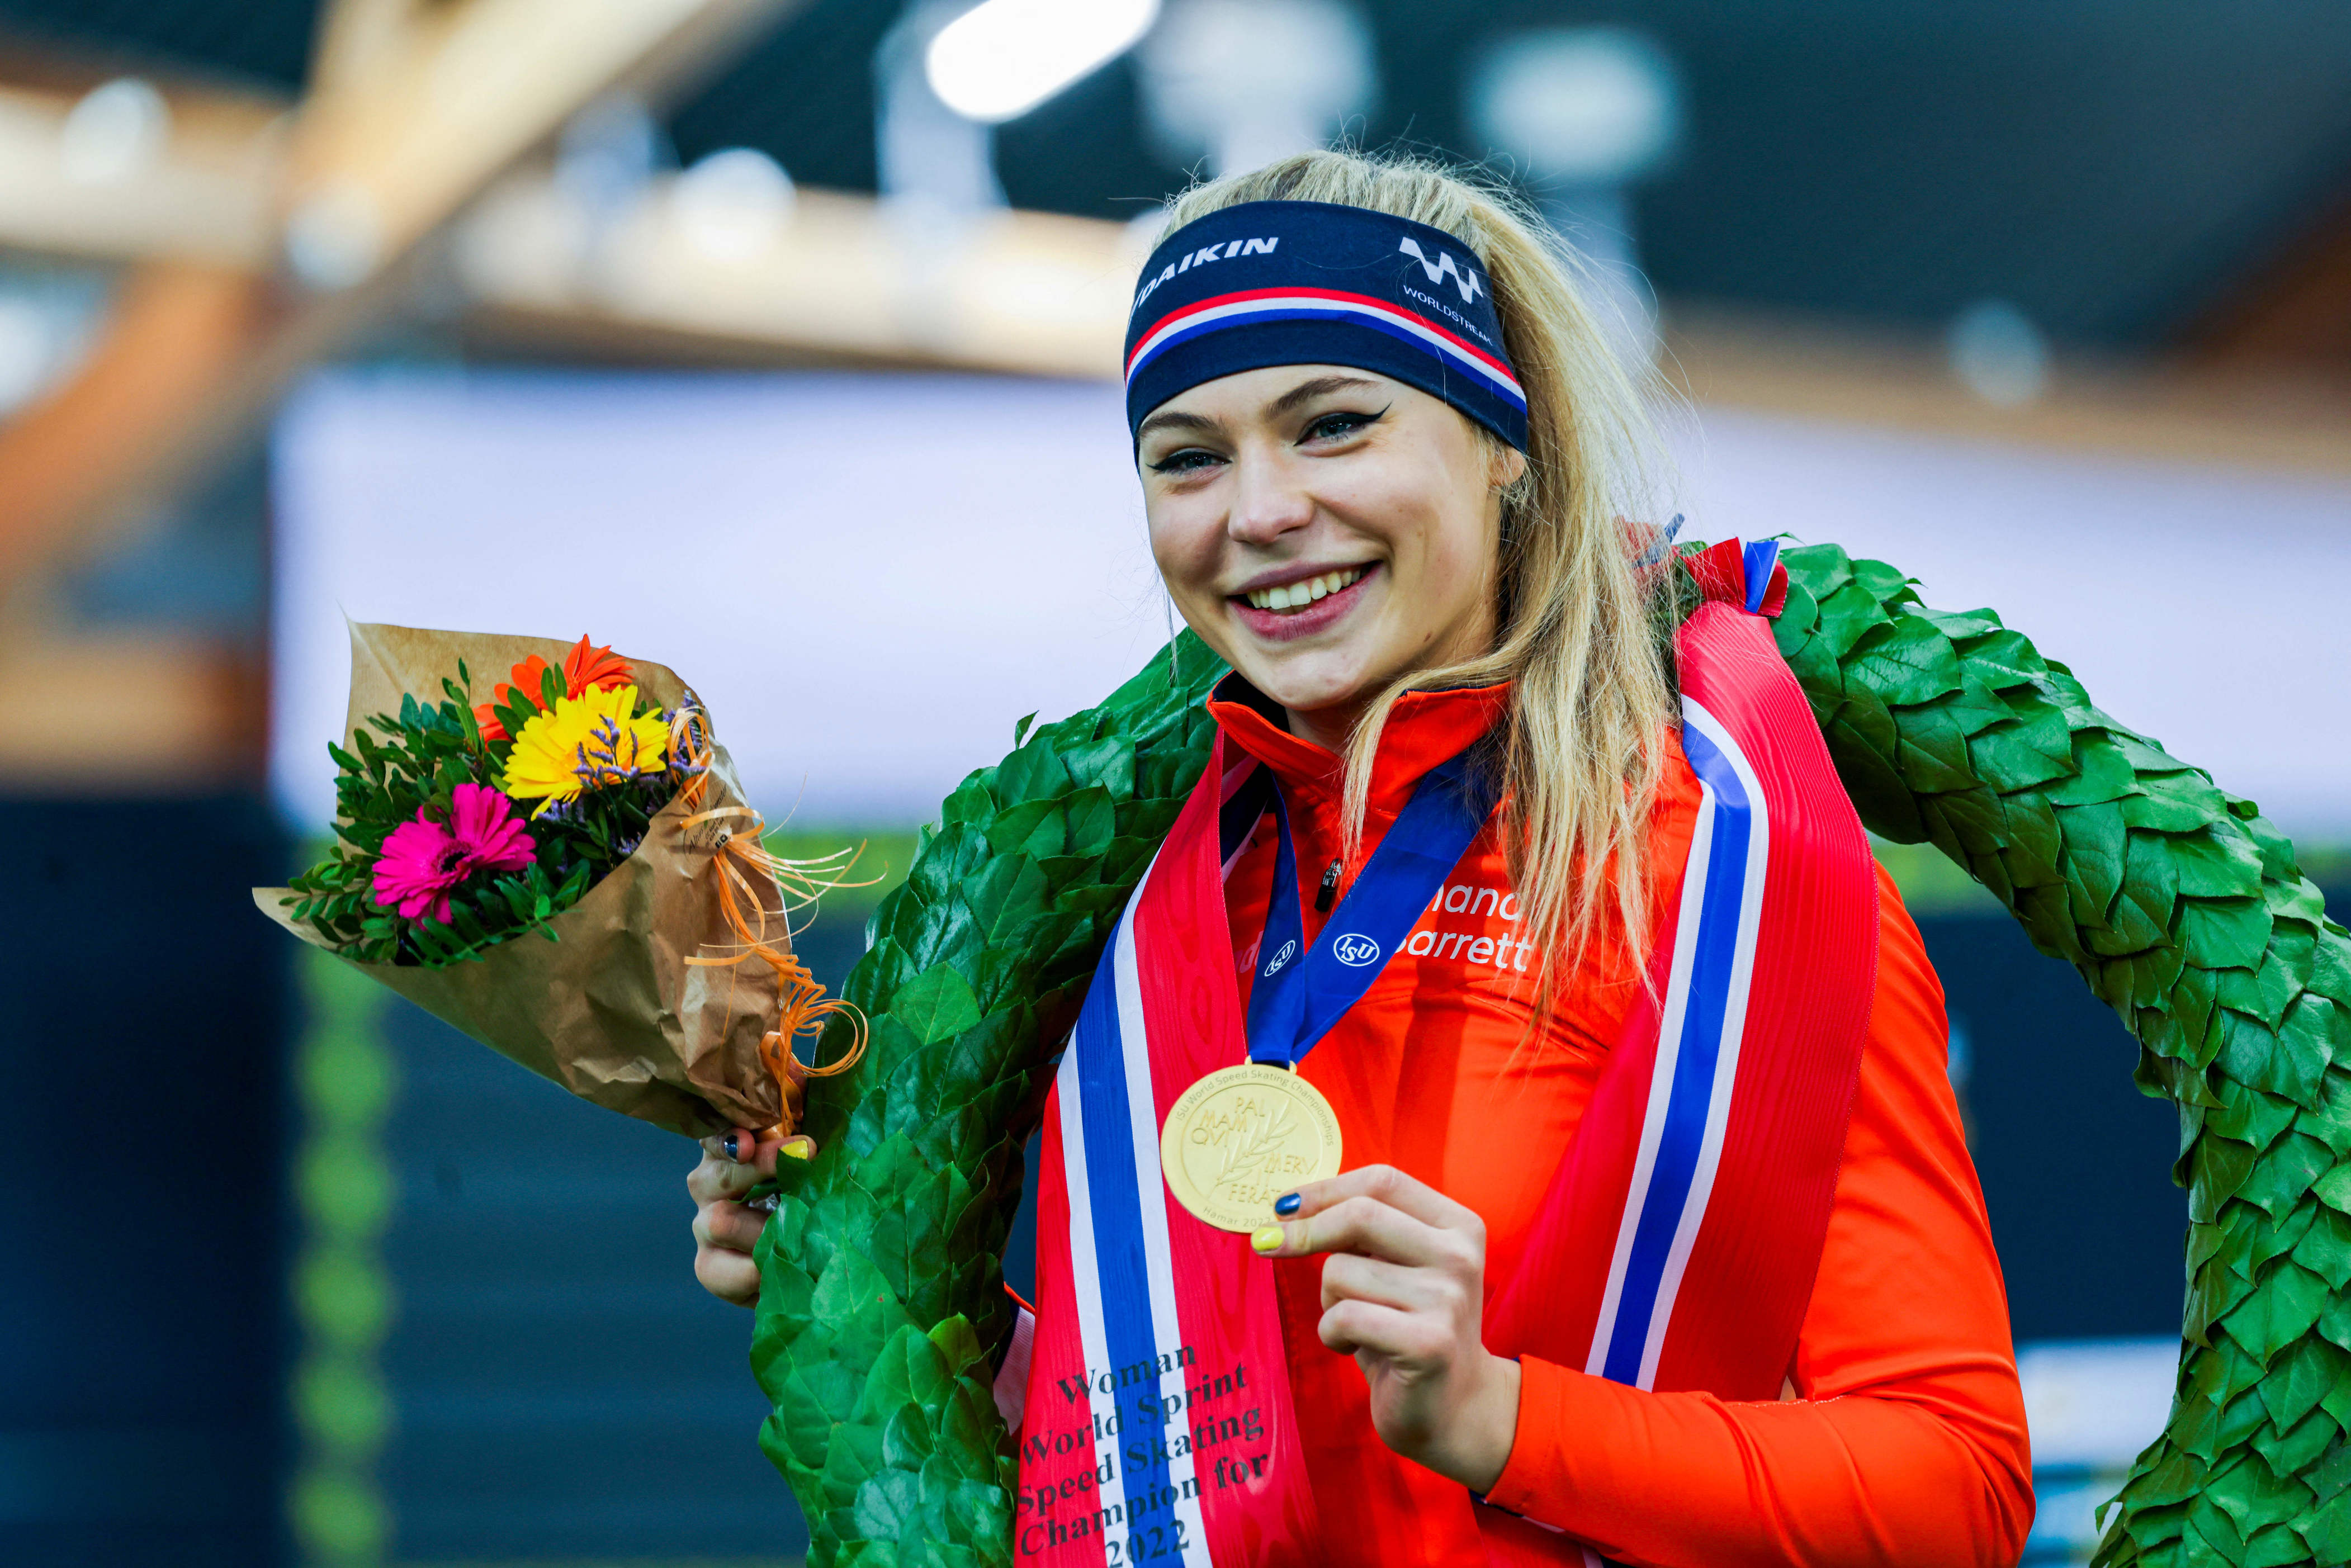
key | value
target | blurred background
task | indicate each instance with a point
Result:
(774, 339)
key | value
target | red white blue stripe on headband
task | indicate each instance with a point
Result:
(1256, 307)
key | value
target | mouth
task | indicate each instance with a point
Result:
(1283, 611)
(1290, 597)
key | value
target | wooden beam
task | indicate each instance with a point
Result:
(178, 335)
(355, 38)
(424, 110)
(1814, 371)
(145, 714)
(845, 280)
(839, 279)
(204, 197)
(423, 106)
(2291, 314)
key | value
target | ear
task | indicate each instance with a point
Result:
(1505, 464)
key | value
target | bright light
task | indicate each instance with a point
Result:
(1998, 353)
(1248, 82)
(1003, 58)
(1593, 106)
(732, 206)
(114, 134)
(334, 237)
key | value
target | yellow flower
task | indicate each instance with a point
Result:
(585, 743)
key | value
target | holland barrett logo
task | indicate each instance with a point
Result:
(1288, 951)
(1465, 278)
(1352, 949)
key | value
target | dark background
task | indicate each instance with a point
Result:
(144, 1017)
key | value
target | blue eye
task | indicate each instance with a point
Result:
(1337, 425)
(1189, 460)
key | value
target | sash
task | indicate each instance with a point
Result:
(1677, 1242)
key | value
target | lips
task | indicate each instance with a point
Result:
(1298, 595)
(1287, 611)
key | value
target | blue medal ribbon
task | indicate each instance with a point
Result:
(1300, 992)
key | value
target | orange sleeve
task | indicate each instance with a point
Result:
(1903, 1440)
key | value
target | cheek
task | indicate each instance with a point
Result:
(1441, 538)
(1465, 547)
(1461, 536)
(1184, 546)
(1427, 492)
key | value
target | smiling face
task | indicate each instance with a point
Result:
(1326, 531)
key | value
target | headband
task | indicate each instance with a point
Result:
(1315, 283)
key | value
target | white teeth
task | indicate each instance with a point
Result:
(1295, 595)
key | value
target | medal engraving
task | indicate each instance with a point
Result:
(1241, 1138)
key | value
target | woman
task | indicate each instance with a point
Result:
(1612, 1266)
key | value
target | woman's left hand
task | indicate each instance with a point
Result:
(1404, 1292)
(725, 1228)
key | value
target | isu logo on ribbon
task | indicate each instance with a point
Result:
(1355, 951)
(1288, 951)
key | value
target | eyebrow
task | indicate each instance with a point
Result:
(1171, 419)
(1303, 392)
(1306, 391)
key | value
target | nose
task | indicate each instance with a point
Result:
(1270, 500)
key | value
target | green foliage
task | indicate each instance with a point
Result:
(427, 751)
(2184, 910)
(880, 1315)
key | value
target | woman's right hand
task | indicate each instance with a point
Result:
(725, 1228)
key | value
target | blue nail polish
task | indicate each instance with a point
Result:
(729, 1146)
(1286, 1204)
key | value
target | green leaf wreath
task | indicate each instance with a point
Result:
(881, 1317)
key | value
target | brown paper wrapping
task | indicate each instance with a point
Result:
(611, 1011)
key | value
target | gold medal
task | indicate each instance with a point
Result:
(1241, 1138)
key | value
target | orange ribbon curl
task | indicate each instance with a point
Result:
(740, 855)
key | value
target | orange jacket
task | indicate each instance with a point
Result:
(1901, 1437)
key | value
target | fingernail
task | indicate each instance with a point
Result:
(1267, 1237)
(801, 1148)
(729, 1146)
(1286, 1204)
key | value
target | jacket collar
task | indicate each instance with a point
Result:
(1424, 729)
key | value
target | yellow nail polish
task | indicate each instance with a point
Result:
(1267, 1237)
(801, 1148)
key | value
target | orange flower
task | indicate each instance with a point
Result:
(591, 669)
(585, 669)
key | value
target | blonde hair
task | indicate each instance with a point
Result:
(1591, 703)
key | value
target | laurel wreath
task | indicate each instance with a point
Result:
(881, 1317)
(1263, 1135)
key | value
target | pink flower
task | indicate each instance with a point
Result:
(422, 860)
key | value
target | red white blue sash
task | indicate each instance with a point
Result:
(1675, 1247)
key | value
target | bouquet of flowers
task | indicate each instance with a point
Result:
(567, 872)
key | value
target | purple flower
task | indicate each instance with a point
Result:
(422, 860)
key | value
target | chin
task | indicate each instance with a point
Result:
(1312, 683)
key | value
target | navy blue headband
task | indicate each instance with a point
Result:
(1313, 283)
